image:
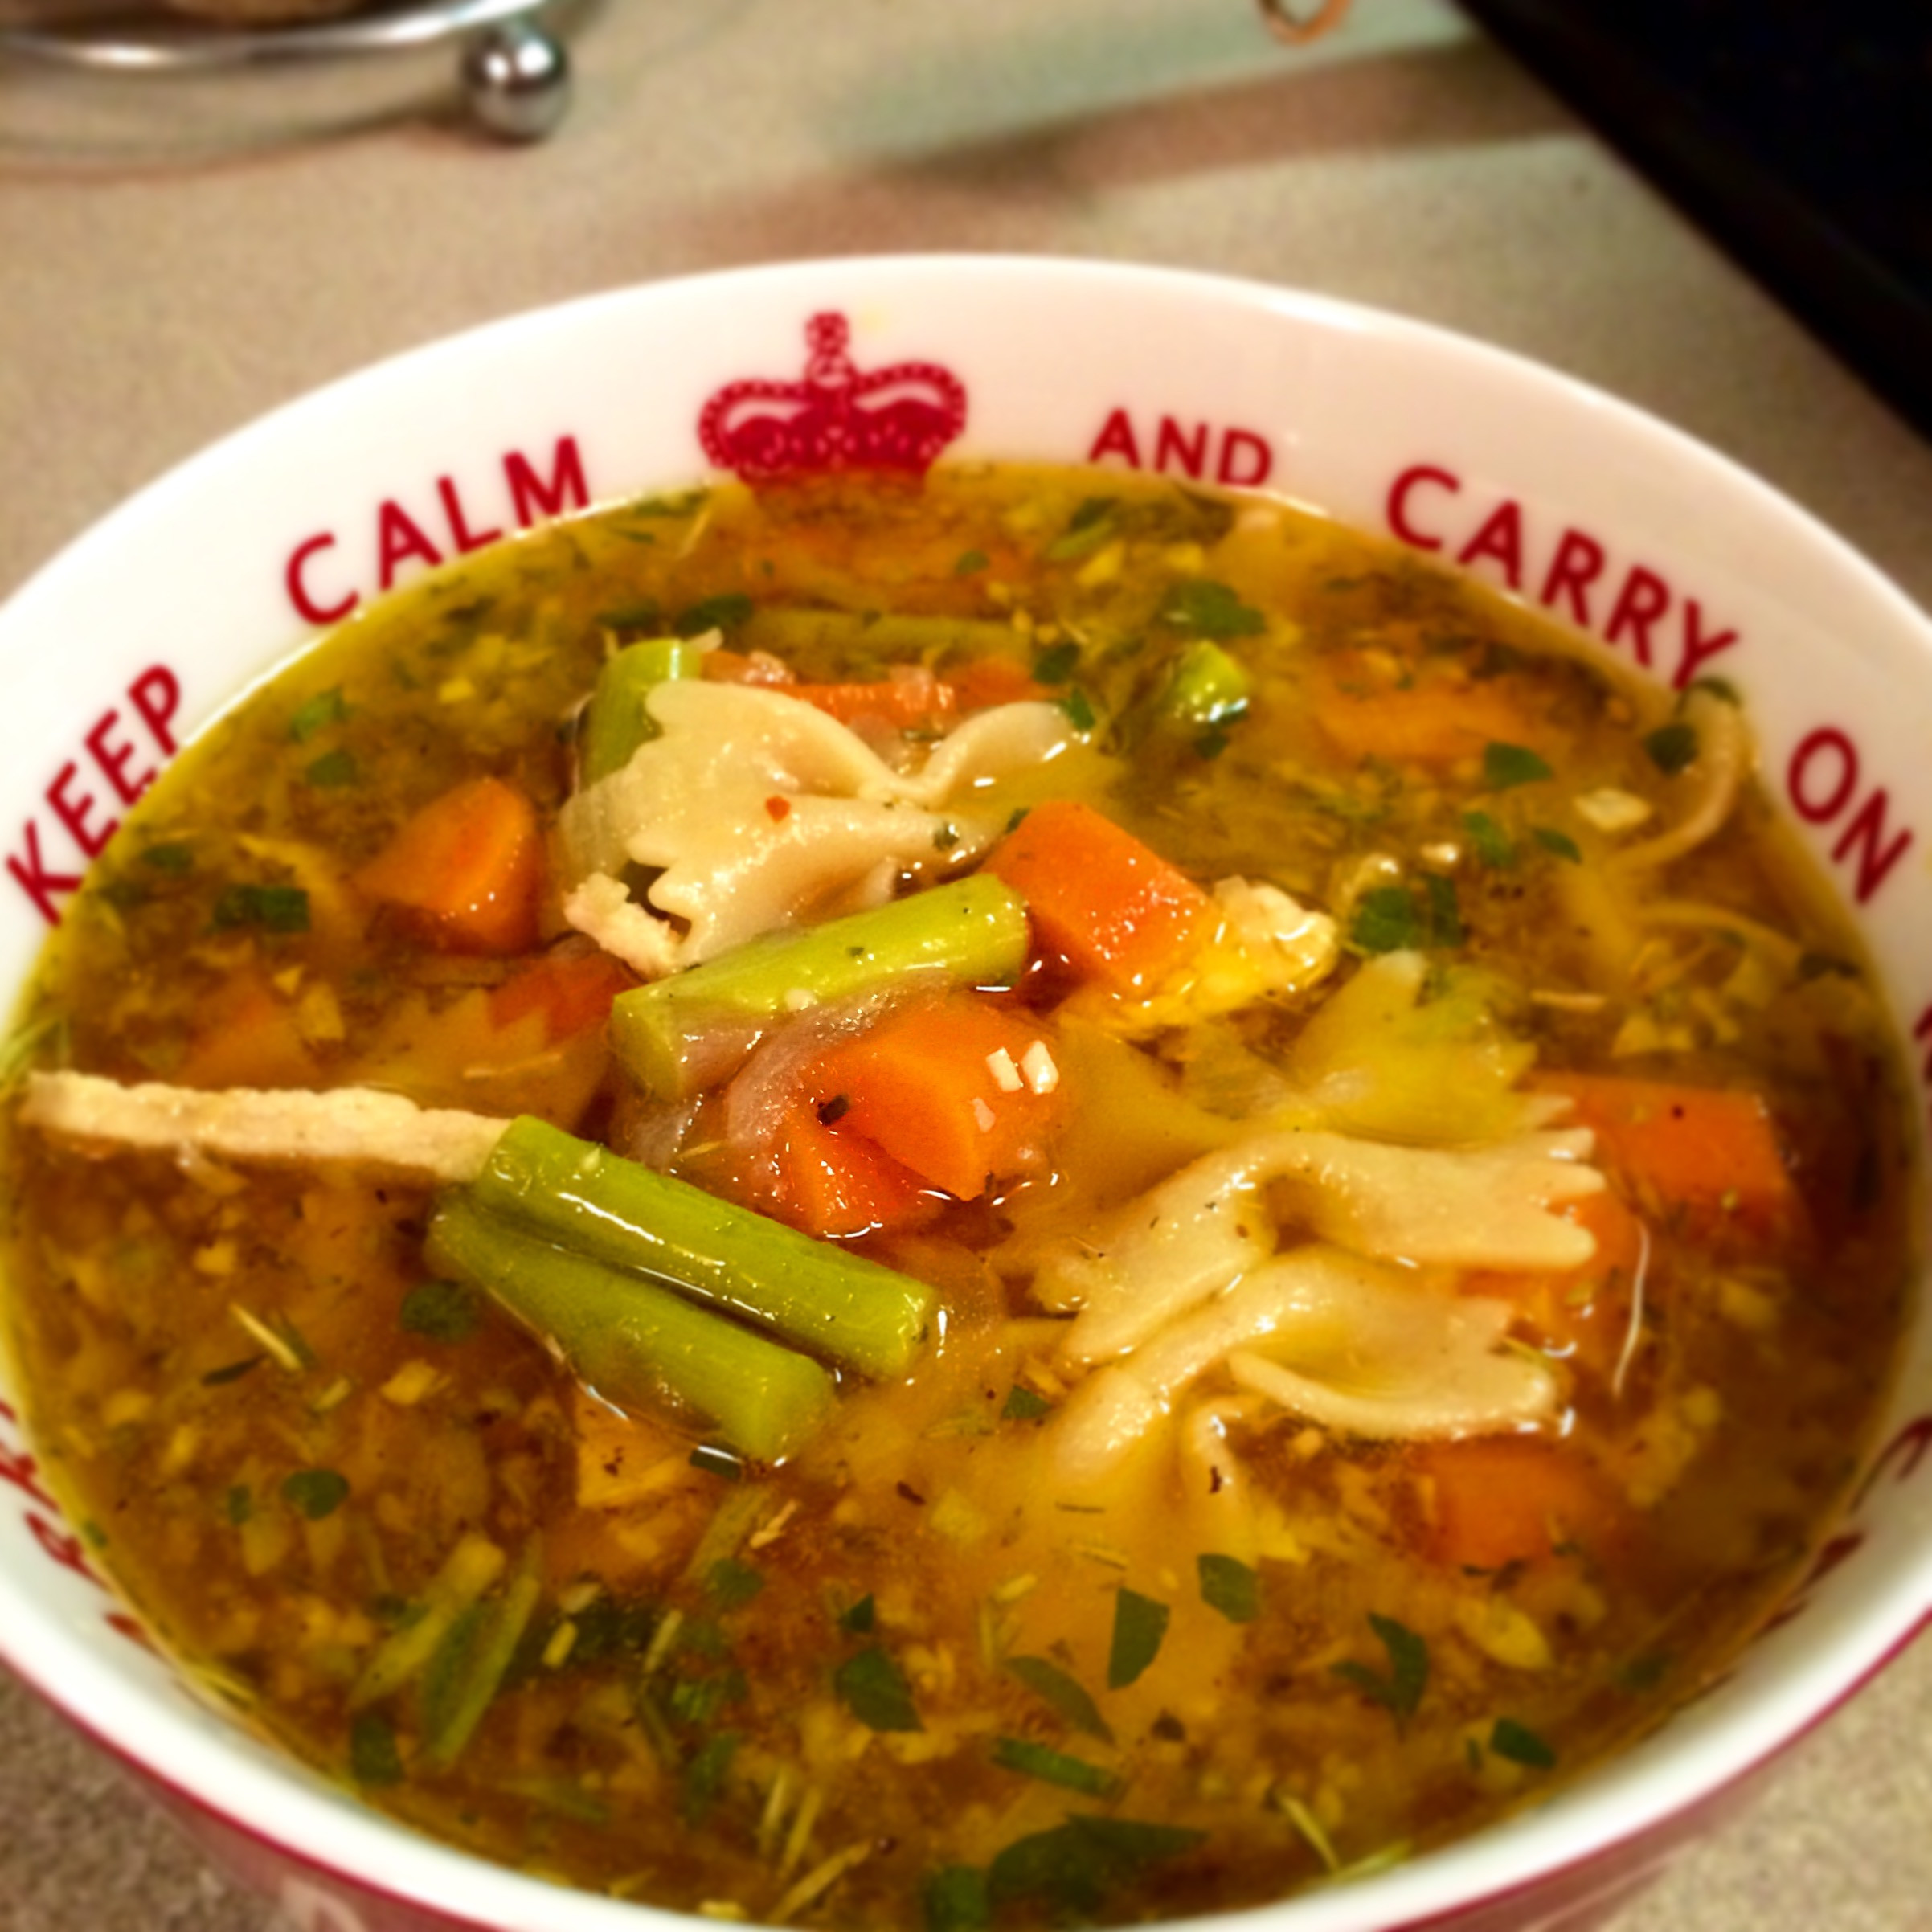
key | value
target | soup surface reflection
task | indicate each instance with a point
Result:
(1030, 1198)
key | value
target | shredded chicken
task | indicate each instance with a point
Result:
(353, 1124)
(757, 810)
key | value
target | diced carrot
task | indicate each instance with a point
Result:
(1710, 1153)
(905, 703)
(249, 1037)
(1495, 1499)
(1583, 1308)
(989, 681)
(1432, 723)
(1117, 910)
(925, 1084)
(572, 991)
(468, 867)
(834, 1183)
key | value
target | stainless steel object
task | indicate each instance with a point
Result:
(508, 56)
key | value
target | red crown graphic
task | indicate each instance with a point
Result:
(898, 418)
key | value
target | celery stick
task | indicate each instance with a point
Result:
(582, 1196)
(479, 1675)
(1208, 687)
(468, 1571)
(972, 933)
(633, 1341)
(614, 722)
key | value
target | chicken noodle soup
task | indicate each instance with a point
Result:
(1030, 1197)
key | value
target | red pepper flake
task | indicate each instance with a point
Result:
(780, 809)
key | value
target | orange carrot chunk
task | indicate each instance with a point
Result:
(572, 991)
(467, 869)
(833, 1183)
(1710, 1152)
(1586, 1308)
(1117, 910)
(1433, 722)
(1496, 1500)
(930, 1086)
(904, 703)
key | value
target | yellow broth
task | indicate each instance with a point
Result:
(909, 1677)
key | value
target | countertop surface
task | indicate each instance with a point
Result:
(176, 258)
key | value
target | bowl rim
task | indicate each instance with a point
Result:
(300, 1816)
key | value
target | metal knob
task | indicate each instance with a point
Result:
(517, 79)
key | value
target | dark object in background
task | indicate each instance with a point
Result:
(1798, 133)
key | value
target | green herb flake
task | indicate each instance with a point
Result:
(1063, 1694)
(271, 908)
(1642, 1675)
(316, 714)
(1230, 1585)
(1520, 1744)
(232, 1372)
(1396, 919)
(1560, 843)
(704, 1775)
(1079, 710)
(954, 1900)
(1023, 1405)
(441, 1310)
(315, 1493)
(1203, 608)
(1506, 765)
(1073, 1867)
(1488, 840)
(176, 856)
(732, 1584)
(374, 1760)
(1041, 1761)
(860, 1618)
(728, 612)
(1400, 1690)
(332, 769)
(875, 1691)
(239, 1505)
(1090, 526)
(1672, 747)
(1056, 666)
(1211, 744)
(970, 562)
(1140, 1629)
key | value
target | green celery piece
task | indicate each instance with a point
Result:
(972, 933)
(631, 1340)
(1208, 687)
(615, 721)
(574, 1195)
(488, 1657)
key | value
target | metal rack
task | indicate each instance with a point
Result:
(509, 56)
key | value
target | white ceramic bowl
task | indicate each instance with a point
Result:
(1664, 552)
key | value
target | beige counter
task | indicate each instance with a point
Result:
(155, 293)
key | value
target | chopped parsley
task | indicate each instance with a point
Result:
(1397, 919)
(1041, 1761)
(1023, 1405)
(1672, 747)
(1520, 1744)
(1561, 843)
(1488, 840)
(271, 908)
(970, 562)
(1073, 1867)
(1057, 665)
(316, 714)
(441, 1310)
(955, 1901)
(1140, 1628)
(374, 1759)
(1398, 1690)
(875, 1691)
(334, 769)
(732, 1584)
(1506, 765)
(1064, 1695)
(1230, 1585)
(315, 1493)
(1204, 608)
